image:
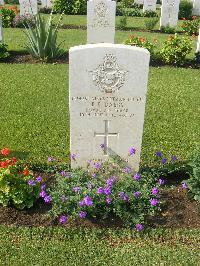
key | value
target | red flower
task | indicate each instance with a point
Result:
(13, 160)
(142, 39)
(4, 164)
(194, 17)
(5, 151)
(183, 18)
(25, 172)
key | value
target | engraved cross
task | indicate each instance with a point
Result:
(106, 135)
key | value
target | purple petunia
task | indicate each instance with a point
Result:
(97, 166)
(123, 196)
(154, 191)
(139, 227)
(47, 199)
(82, 214)
(38, 179)
(153, 202)
(159, 154)
(73, 156)
(107, 191)
(137, 176)
(184, 185)
(161, 181)
(110, 181)
(132, 151)
(174, 158)
(127, 170)
(94, 175)
(137, 194)
(63, 198)
(81, 203)
(43, 186)
(63, 219)
(31, 183)
(102, 146)
(76, 189)
(100, 190)
(108, 200)
(50, 159)
(164, 160)
(88, 201)
(43, 194)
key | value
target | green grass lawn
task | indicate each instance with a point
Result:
(60, 246)
(35, 115)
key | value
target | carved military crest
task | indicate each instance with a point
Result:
(100, 11)
(108, 76)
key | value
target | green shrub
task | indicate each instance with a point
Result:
(197, 57)
(150, 14)
(185, 9)
(45, 10)
(141, 42)
(191, 27)
(12, 2)
(193, 182)
(175, 49)
(103, 190)
(150, 23)
(80, 7)
(7, 17)
(167, 29)
(42, 40)
(135, 12)
(24, 21)
(18, 187)
(64, 6)
(3, 50)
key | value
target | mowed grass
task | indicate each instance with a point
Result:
(60, 246)
(35, 116)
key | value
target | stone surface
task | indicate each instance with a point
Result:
(196, 8)
(101, 21)
(108, 84)
(2, 3)
(198, 43)
(149, 5)
(47, 3)
(28, 7)
(139, 2)
(1, 30)
(169, 13)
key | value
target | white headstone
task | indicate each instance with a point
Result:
(139, 2)
(149, 5)
(196, 8)
(2, 3)
(169, 13)
(28, 7)
(198, 43)
(47, 3)
(1, 30)
(101, 21)
(108, 84)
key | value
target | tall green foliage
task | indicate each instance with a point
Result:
(185, 9)
(42, 40)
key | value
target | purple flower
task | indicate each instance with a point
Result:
(107, 191)
(184, 185)
(88, 201)
(154, 191)
(90, 186)
(94, 175)
(82, 214)
(73, 156)
(127, 170)
(174, 158)
(158, 153)
(123, 196)
(132, 151)
(63, 219)
(63, 198)
(137, 176)
(154, 202)
(164, 160)
(81, 203)
(102, 146)
(76, 189)
(161, 181)
(38, 179)
(50, 159)
(108, 200)
(100, 190)
(139, 227)
(97, 166)
(43, 186)
(63, 173)
(109, 182)
(31, 183)
(47, 199)
(137, 194)
(43, 194)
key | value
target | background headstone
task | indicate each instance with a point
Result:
(108, 84)
(198, 43)
(28, 7)
(47, 3)
(139, 2)
(196, 8)
(169, 13)
(149, 5)
(2, 3)
(1, 30)
(101, 21)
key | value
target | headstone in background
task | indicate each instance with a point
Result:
(139, 2)
(108, 85)
(1, 30)
(149, 5)
(198, 43)
(196, 8)
(28, 7)
(47, 3)
(2, 3)
(101, 21)
(169, 13)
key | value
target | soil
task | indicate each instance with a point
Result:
(178, 211)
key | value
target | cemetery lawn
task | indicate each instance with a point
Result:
(53, 246)
(35, 115)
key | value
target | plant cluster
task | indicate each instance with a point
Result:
(150, 14)
(45, 10)
(71, 7)
(191, 27)
(24, 21)
(3, 51)
(8, 16)
(175, 49)
(18, 186)
(185, 9)
(167, 29)
(105, 189)
(141, 42)
(150, 23)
